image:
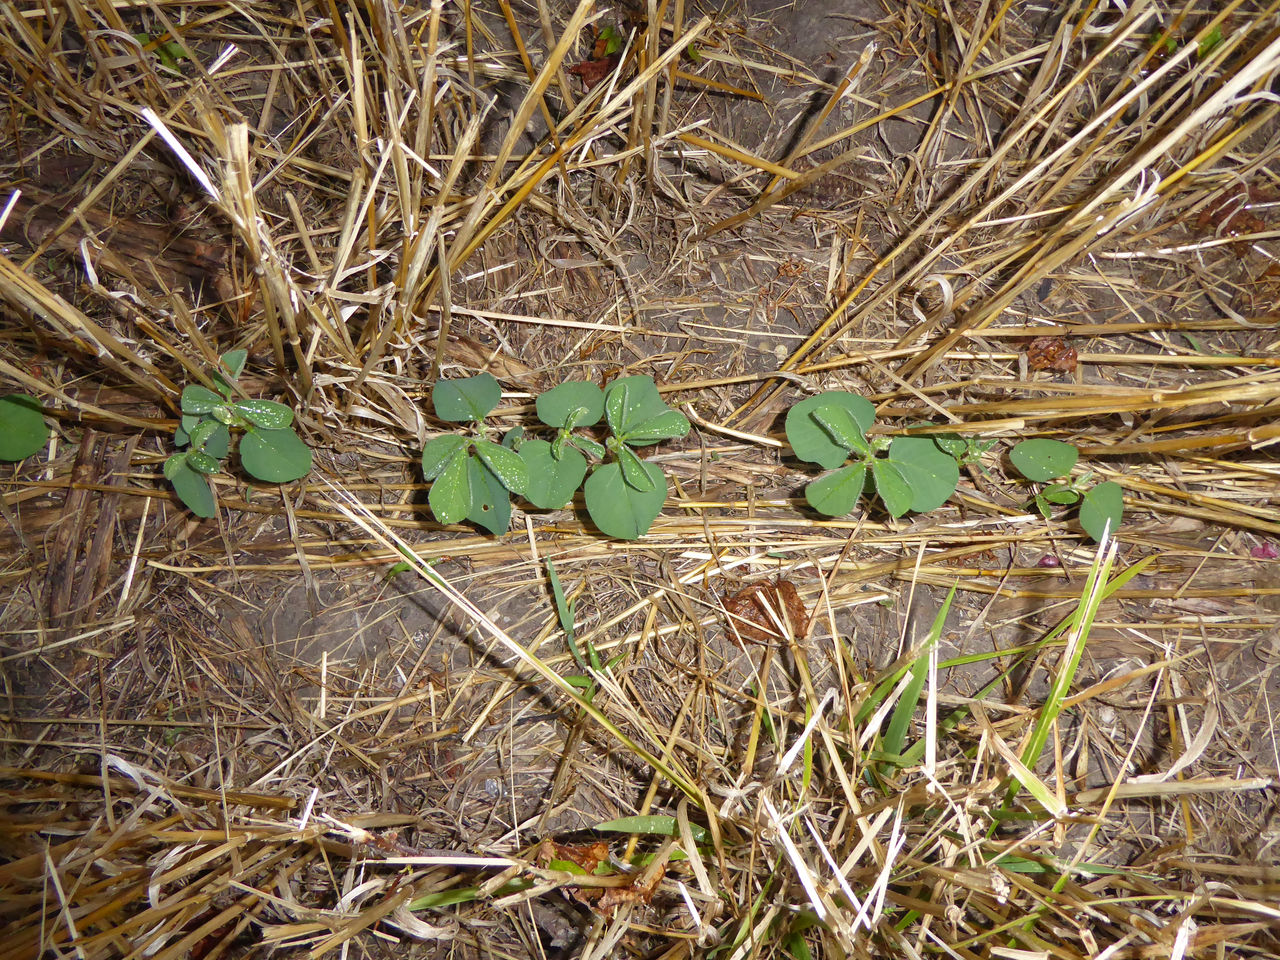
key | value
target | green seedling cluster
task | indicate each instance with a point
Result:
(1049, 462)
(905, 473)
(473, 477)
(269, 449)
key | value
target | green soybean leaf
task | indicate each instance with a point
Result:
(1060, 493)
(1210, 43)
(611, 38)
(231, 364)
(891, 486)
(22, 427)
(552, 482)
(1103, 505)
(1043, 460)
(505, 465)
(191, 487)
(438, 452)
(490, 502)
(199, 435)
(1044, 506)
(188, 423)
(233, 361)
(274, 456)
(513, 437)
(930, 472)
(665, 426)
(619, 509)
(631, 401)
(470, 398)
(811, 442)
(175, 463)
(589, 446)
(450, 495)
(575, 403)
(266, 414)
(835, 494)
(633, 470)
(219, 442)
(202, 462)
(841, 427)
(951, 444)
(197, 399)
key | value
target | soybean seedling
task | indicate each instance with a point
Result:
(1049, 462)
(269, 449)
(472, 476)
(906, 473)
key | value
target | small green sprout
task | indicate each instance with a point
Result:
(1043, 461)
(907, 473)
(269, 449)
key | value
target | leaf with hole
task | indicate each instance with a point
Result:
(929, 471)
(836, 494)
(470, 398)
(191, 487)
(274, 456)
(505, 465)
(1102, 509)
(266, 414)
(450, 494)
(811, 441)
(552, 482)
(1043, 460)
(618, 508)
(490, 501)
(22, 427)
(575, 403)
(197, 399)
(438, 452)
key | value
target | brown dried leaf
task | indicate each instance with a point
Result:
(592, 72)
(1231, 215)
(1052, 353)
(635, 893)
(586, 855)
(755, 612)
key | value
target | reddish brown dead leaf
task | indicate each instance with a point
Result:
(1052, 353)
(1231, 215)
(635, 893)
(586, 855)
(592, 72)
(756, 611)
